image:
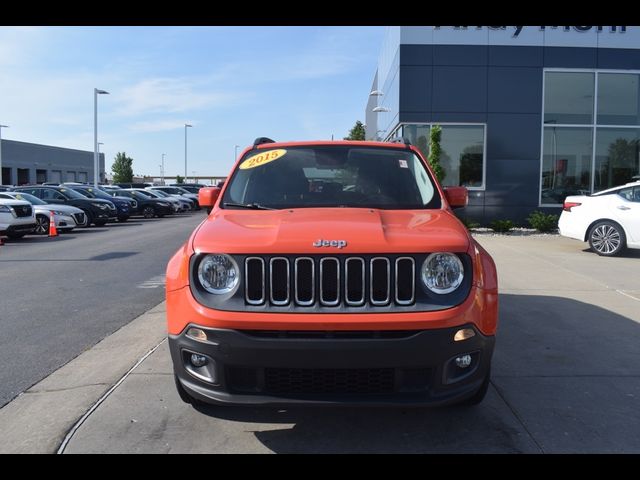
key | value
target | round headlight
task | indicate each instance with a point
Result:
(218, 273)
(442, 272)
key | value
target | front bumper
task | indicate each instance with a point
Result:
(65, 222)
(316, 368)
(17, 228)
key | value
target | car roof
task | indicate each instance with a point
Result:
(6, 201)
(619, 187)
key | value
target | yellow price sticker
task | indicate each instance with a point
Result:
(19, 197)
(262, 158)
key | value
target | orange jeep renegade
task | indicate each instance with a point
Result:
(332, 272)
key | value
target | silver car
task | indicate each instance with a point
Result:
(184, 204)
(66, 217)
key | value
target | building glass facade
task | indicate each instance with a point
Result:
(529, 115)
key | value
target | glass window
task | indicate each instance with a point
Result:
(627, 194)
(462, 155)
(48, 194)
(617, 157)
(618, 99)
(566, 163)
(568, 98)
(332, 176)
(418, 135)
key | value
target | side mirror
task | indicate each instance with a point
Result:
(207, 196)
(457, 197)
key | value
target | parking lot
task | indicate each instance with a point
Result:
(566, 378)
(62, 295)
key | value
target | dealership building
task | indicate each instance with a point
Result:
(529, 115)
(30, 163)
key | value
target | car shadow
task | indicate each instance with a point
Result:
(566, 378)
(627, 253)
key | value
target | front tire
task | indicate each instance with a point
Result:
(148, 212)
(42, 225)
(607, 239)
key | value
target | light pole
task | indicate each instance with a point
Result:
(186, 125)
(96, 92)
(1, 127)
(236, 152)
(99, 143)
(162, 168)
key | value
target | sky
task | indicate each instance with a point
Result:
(232, 84)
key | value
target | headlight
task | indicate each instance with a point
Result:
(442, 272)
(218, 273)
(5, 209)
(59, 213)
(102, 206)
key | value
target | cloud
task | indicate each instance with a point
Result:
(171, 95)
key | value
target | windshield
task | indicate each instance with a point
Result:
(69, 193)
(146, 193)
(93, 193)
(332, 176)
(27, 197)
(159, 193)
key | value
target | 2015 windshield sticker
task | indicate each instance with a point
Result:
(262, 159)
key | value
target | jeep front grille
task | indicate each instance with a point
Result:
(329, 281)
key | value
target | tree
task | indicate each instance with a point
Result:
(357, 132)
(434, 152)
(179, 179)
(122, 168)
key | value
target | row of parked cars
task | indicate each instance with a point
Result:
(29, 209)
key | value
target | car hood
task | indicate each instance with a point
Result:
(364, 231)
(59, 208)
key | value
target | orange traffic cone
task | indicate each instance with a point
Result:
(53, 231)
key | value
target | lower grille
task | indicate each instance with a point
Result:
(283, 381)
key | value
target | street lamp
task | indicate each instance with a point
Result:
(376, 93)
(96, 92)
(380, 109)
(99, 143)
(1, 127)
(236, 151)
(186, 125)
(162, 168)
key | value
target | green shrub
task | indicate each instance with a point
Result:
(543, 222)
(502, 226)
(469, 223)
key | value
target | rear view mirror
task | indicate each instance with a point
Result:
(457, 197)
(208, 196)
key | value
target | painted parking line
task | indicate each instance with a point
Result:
(153, 282)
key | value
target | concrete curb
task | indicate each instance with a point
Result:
(38, 420)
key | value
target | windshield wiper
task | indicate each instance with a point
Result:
(250, 206)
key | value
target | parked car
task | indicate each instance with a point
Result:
(97, 211)
(17, 218)
(133, 185)
(189, 188)
(608, 220)
(176, 203)
(124, 205)
(147, 207)
(376, 295)
(5, 188)
(180, 192)
(66, 217)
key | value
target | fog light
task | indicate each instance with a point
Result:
(201, 360)
(463, 334)
(197, 334)
(462, 361)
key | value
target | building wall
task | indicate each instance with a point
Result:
(31, 158)
(490, 77)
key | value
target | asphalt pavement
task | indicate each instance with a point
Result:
(60, 296)
(566, 379)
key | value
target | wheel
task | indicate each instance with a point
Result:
(148, 212)
(42, 225)
(184, 396)
(607, 238)
(15, 236)
(480, 394)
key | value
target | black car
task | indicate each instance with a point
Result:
(97, 210)
(125, 206)
(147, 207)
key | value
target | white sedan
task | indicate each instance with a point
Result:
(608, 220)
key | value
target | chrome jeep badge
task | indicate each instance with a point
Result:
(330, 243)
